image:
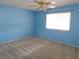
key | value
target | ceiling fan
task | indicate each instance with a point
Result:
(43, 5)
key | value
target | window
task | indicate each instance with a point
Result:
(60, 21)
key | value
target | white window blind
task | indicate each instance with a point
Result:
(60, 21)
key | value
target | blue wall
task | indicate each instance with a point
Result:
(71, 37)
(15, 23)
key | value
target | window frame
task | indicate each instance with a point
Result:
(59, 13)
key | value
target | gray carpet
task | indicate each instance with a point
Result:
(36, 48)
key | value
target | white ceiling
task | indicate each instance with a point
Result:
(25, 3)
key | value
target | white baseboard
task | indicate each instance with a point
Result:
(16, 39)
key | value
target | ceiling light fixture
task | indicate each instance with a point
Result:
(43, 5)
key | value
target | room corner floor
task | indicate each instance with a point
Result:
(36, 48)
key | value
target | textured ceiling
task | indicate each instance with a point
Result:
(25, 3)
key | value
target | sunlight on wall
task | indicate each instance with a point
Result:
(59, 21)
